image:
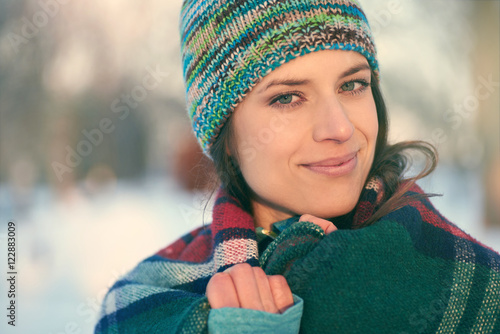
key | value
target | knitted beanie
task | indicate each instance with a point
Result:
(228, 46)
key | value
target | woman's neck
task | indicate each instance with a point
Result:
(264, 216)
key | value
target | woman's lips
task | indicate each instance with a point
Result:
(334, 166)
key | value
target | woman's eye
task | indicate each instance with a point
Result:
(348, 86)
(288, 100)
(354, 87)
(285, 99)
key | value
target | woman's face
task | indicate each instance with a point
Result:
(305, 136)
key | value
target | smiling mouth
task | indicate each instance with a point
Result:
(334, 166)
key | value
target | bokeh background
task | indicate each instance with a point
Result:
(89, 206)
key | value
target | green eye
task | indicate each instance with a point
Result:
(285, 99)
(348, 86)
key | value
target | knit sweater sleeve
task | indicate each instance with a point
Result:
(226, 319)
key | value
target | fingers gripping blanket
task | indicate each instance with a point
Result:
(410, 272)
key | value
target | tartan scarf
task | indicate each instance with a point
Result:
(410, 272)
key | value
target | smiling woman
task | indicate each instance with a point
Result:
(325, 151)
(315, 227)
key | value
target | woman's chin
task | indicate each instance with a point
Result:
(335, 206)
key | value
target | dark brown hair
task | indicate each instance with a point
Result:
(391, 162)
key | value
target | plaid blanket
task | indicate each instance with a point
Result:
(410, 272)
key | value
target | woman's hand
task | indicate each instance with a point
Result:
(243, 286)
(326, 225)
(249, 287)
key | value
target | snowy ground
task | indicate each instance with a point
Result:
(70, 252)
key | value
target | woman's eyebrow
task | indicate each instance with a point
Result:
(297, 82)
(355, 69)
(285, 82)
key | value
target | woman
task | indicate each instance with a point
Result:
(314, 227)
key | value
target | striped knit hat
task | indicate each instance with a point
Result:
(228, 46)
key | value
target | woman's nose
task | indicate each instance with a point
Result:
(332, 122)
